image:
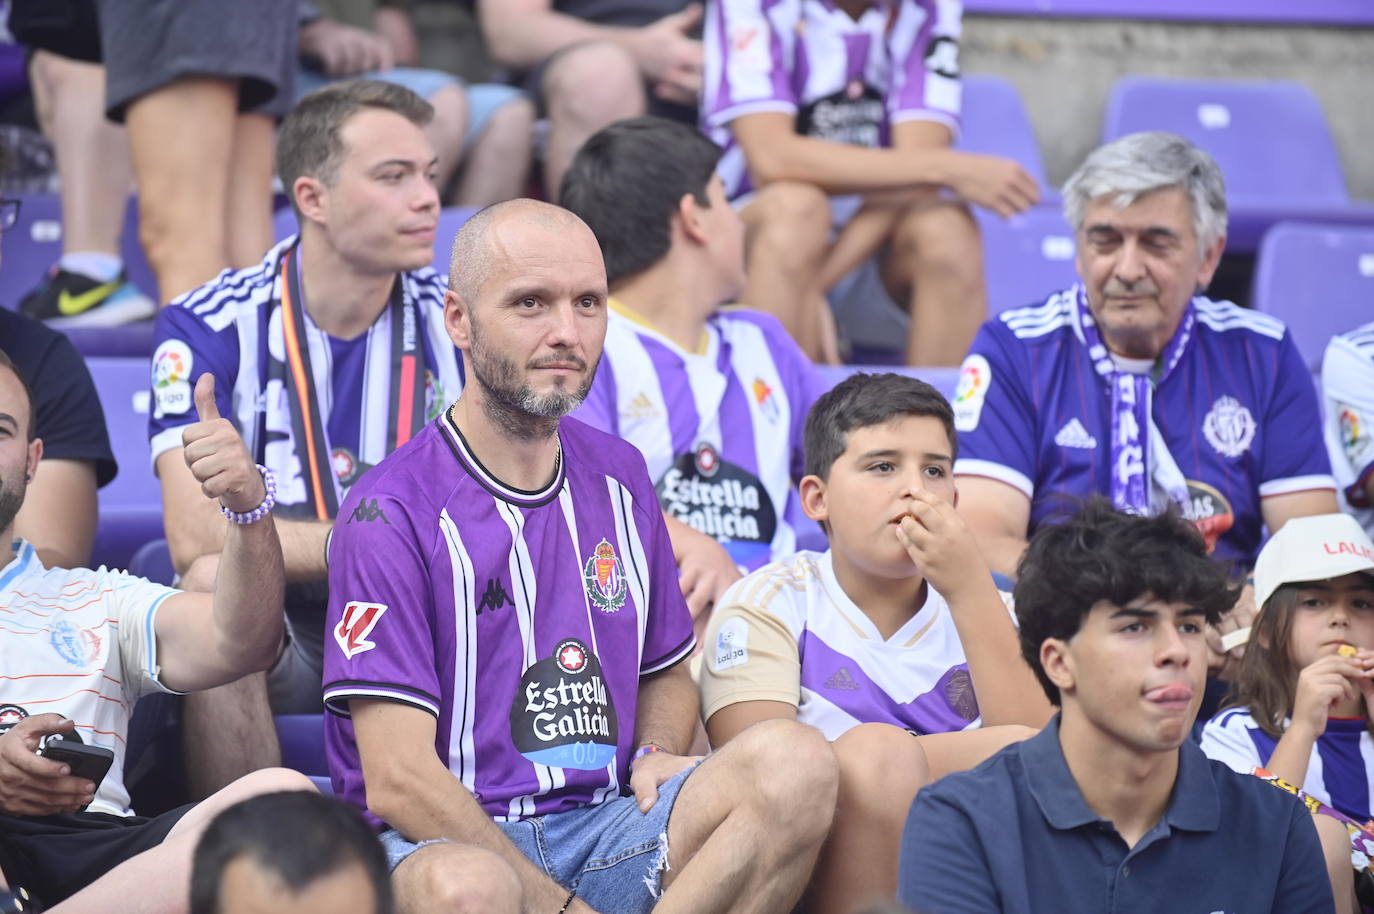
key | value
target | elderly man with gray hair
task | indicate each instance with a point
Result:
(1134, 385)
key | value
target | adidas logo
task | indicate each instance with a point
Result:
(641, 407)
(842, 680)
(1073, 434)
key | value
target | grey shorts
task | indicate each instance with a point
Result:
(148, 44)
(294, 681)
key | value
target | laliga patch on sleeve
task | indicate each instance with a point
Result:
(1357, 438)
(974, 380)
(732, 645)
(357, 623)
(171, 379)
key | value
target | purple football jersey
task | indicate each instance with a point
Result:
(521, 620)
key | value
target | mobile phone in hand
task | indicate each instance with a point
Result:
(89, 762)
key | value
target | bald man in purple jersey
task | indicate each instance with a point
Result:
(506, 633)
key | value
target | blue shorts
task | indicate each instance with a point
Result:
(483, 98)
(613, 855)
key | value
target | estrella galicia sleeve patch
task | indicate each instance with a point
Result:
(562, 714)
(722, 500)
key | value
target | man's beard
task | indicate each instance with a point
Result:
(11, 500)
(513, 405)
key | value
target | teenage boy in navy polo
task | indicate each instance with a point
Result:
(1111, 807)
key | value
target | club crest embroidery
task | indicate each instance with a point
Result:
(1229, 427)
(604, 577)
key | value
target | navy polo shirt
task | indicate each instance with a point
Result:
(1015, 835)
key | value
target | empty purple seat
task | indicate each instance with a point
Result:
(1271, 140)
(941, 378)
(302, 743)
(131, 505)
(1318, 279)
(994, 121)
(1026, 257)
(31, 247)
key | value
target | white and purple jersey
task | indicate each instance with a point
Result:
(232, 328)
(720, 428)
(789, 633)
(522, 621)
(1238, 414)
(1348, 388)
(845, 80)
(1340, 770)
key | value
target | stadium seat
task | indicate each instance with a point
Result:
(153, 560)
(941, 378)
(1318, 279)
(302, 747)
(1026, 257)
(131, 505)
(994, 121)
(451, 219)
(1271, 140)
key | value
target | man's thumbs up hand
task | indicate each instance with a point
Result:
(217, 456)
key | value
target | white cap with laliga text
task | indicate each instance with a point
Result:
(1315, 548)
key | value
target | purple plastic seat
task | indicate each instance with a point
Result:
(1271, 140)
(994, 121)
(302, 744)
(1317, 279)
(942, 378)
(1026, 257)
(31, 247)
(131, 505)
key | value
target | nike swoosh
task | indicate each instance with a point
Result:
(69, 304)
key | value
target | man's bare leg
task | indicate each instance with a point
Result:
(158, 881)
(935, 262)
(498, 165)
(585, 88)
(92, 153)
(881, 768)
(749, 822)
(947, 753)
(456, 879)
(446, 131)
(248, 217)
(226, 732)
(787, 235)
(182, 139)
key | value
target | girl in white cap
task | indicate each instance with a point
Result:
(1300, 703)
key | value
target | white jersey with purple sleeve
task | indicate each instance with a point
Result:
(845, 80)
(1348, 388)
(1238, 413)
(789, 633)
(522, 621)
(720, 427)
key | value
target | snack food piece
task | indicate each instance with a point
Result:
(1346, 650)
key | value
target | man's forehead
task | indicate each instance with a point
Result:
(377, 135)
(565, 254)
(1146, 603)
(1167, 208)
(12, 399)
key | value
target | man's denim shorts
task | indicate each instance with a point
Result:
(613, 855)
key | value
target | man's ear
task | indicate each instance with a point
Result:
(1057, 663)
(310, 195)
(688, 215)
(35, 456)
(813, 498)
(1211, 258)
(457, 320)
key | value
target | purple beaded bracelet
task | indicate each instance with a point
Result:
(269, 501)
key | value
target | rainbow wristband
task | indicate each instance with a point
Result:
(644, 750)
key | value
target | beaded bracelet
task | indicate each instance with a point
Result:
(567, 904)
(644, 750)
(269, 501)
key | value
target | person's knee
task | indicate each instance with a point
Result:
(939, 236)
(268, 780)
(791, 218)
(592, 85)
(458, 879)
(450, 113)
(880, 761)
(200, 574)
(791, 761)
(511, 125)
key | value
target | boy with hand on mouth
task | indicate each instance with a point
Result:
(895, 643)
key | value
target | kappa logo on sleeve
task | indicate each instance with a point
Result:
(357, 623)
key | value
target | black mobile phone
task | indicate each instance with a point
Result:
(89, 762)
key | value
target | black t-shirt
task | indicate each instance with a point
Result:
(70, 420)
(628, 13)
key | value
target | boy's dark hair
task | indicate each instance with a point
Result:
(308, 142)
(626, 182)
(862, 400)
(297, 835)
(1101, 553)
(7, 362)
